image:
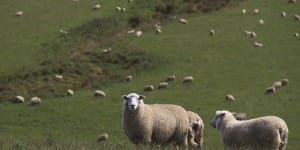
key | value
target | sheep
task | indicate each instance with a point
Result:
(102, 137)
(35, 101)
(296, 34)
(268, 132)
(19, 13)
(270, 90)
(157, 26)
(250, 34)
(244, 11)
(130, 1)
(130, 31)
(70, 92)
(163, 85)
(257, 44)
(292, 1)
(118, 8)
(283, 14)
(256, 11)
(123, 9)
(211, 32)
(277, 84)
(284, 82)
(99, 93)
(63, 32)
(108, 50)
(149, 88)
(146, 124)
(229, 98)
(128, 78)
(138, 33)
(240, 116)
(188, 79)
(58, 76)
(297, 17)
(97, 6)
(170, 78)
(157, 30)
(183, 21)
(195, 130)
(260, 21)
(19, 99)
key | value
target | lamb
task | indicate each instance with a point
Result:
(99, 93)
(277, 84)
(128, 78)
(283, 14)
(19, 99)
(229, 98)
(257, 44)
(211, 32)
(97, 6)
(292, 1)
(297, 17)
(35, 101)
(240, 116)
(270, 90)
(244, 11)
(260, 21)
(102, 137)
(138, 33)
(268, 132)
(284, 82)
(170, 78)
(195, 130)
(19, 13)
(70, 92)
(146, 124)
(188, 79)
(256, 11)
(183, 21)
(163, 85)
(149, 88)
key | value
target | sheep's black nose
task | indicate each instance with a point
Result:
(132, 106)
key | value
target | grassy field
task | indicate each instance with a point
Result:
(224, 63)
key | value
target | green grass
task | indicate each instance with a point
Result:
(222, 64)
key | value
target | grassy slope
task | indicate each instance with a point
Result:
(222, 64)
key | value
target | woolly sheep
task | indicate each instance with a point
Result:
(188, 79)
(240, 116)
(163, 85)
(19, 13)
(195, 130)
(250, 34)
(99, 93)
(157, 30)
(297, 17)
(293, 1)
(244, 11)
(130, 31)
(269, 132)
(283, 14)
(19, 99)
(270, 90)
(97, 6)
(70, 92)
(257, 44)
(170, 78)
(277, 84)
(211, 32)
(255, 11)
(118, 8)
(138, 33)
(58, 76)
(183, 21)
(35, 101)
(63, 32)
(108, 50)
(260, 21)
(154, 124)
(284, 82)
(128, 78)
(149, 88)
(102, 137)
(123, 9)
(229, 98)
(157, 26)
(130, 1)
(296, 34)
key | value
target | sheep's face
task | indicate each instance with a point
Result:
(133, 100)
(219, 118)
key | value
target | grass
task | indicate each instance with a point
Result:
(221, 64)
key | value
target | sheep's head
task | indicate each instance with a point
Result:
(133, 100)
(221, 117)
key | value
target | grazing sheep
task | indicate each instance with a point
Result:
(163, 85)
(244, 11)
(183, 21)
(19, 13)
(138, 33)
(58, 76)
(195, 130)
(70, 92)
(118, 8)
(211, 32)
(240, 116)
(157, 26)
(270, 90)
(188, 79)
(19, 99)
(284, 82)
(123, 10)
(35, 101)
(97, 6)
(256, 11)
(157, 30)
(154, 124)
(63, 32)
(229, 98)
(107, 50)
(297, 17)
(283, 14)
(257, 44)
(292, 1)
(102, 137)
(99, 93)
(250, 34)
(296, 34)
(269, 132)
(260, 21)
(170, 78)
(130, 31)
(128, 78)
(130, 1)
(149, 88)
(277, 84)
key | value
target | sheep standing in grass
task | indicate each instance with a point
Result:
(257, 44)
(158, 31)
(19, 13)
(297, 17)
(260, 21)
(70, 92)
(296, 34)
(149, 88)
(118, 8)
(130, 31)
(212, 32)
(183, 21)
(195, 130)
(270, 90)
(292, 1)
(244, 11)
(170, 78)
(128, 78)
(123, 9)
(269, 132)
(277, 84)
(188, 79)
(19, 99)
(250, 34)
(97, 6)
(163, 85)
(59, 77)
(284, 82)
(256, 11)
(35, 101)
(154, 124)
(283, 14)
(130, 1)
(229, 98)
(102, 137)
(138, 33)
(99, 93)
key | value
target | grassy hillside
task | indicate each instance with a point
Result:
(224, 63)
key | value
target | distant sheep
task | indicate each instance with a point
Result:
(123, 9)
(70, 92)
(35, 101)
(250, 34)
(283, 14)
(284, 82)
(260, 21)
(170, 78)
(130, 1)
(63, 32)
(99, 93)
(118, 8)
(240, 116)
(244, 11)
(19, 99)
(102, 137)
(138, 33)
(270, 90)
(256, 11)
(229, 98)
(158, 31)
(149, 88)
(188, 79)
(163, 85)
(130, 31)
(292, 1)
(183, 21)
(257, 44)
(128, 78)
(58, 76)
(211, 32)
(108, 50)
(277, 84)
(296, 34)
(97, 6)
(297, 17)
(19, 13)
(268, 132)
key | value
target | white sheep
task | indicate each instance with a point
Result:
(250, 34)
(108, 50)
(128, 78)
(149, 88)
(146, 124)
(188, 79)
(58, 76)
(70, 92)
(123, 9)
(229, 98)
(296, 34)
(97, 6)
(130, 1)
(130, 31)
(118, 8)
(35, 101)
(163, 85)
(138, 33)
(102, 137)
(19, 99)
(99, 93)
(244, 11)
(297, 17)
(277, 84)
(269, 132)
(158, 31)
(240, 116)
(170, 78)
(270, 90)
(256, 11)
(196, 130)
(283, 14)
(211, 32)
(293, 1)
(63, 32)
(19, 13)
(257, 44)
(261, 21)
(183, 21)
(284, 82)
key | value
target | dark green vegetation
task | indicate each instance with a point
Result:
(222, 64)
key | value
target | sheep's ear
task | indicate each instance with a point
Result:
(125, 97)
(141, 97)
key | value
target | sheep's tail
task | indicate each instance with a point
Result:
(283, 137)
